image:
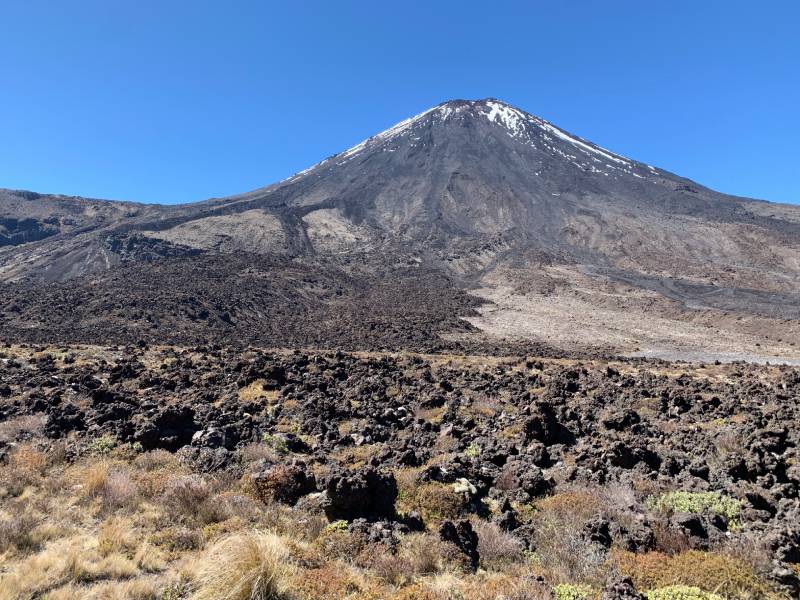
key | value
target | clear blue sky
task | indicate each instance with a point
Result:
(165, 101)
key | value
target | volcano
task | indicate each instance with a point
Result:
(491, 223)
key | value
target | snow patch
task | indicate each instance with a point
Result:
(568, 138)
(512, 119)
(390, 133)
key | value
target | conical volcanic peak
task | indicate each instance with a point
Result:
(484, 119)
(565, 237)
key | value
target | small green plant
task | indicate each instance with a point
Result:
(698, 502)
(103, 445)
(176, 591)
(275, 442)
(572, 591)
(472, 451)
(340, 525)
(681, 592)
(533, 557)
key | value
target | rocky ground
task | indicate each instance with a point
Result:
(148, 472)
(242, 299)
(562, 306)
(271, 301)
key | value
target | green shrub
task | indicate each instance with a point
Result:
(340, 525)
(698, 502)
(277, 443)
(681, 592)
(103, 445)
(572, 591)
(434, 501)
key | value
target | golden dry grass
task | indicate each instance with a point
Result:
(335, 581)
(70, 561)
(255, 392)
(710, 571)
(251, 566)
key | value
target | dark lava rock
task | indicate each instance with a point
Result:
(586, 436)
(701, 531)
(214, 437)
(506, 520)
(525, 534)
(598, 531)
(284, 483)
(543, 426)
(538, 454)
(638, 538)
(621, 589)
(628, 454)
(785, 544)
(691, 524)
(378, 532)
(787, 579)
(463, 537)
(61, 419)
(367, 493)
(171, 429)
(621, 419)
(207, 460)
(523, 480)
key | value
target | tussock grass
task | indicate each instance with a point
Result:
(497, 549)
(17, 531)
(24, 467)
(250, 566)
(726, 575)
(111, 485)
(193, 497)
(434, 501)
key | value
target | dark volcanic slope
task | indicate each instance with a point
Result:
(245, 299)
(471, 189)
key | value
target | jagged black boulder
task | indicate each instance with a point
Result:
(463, 537)
(367, 493)
(621, 589)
